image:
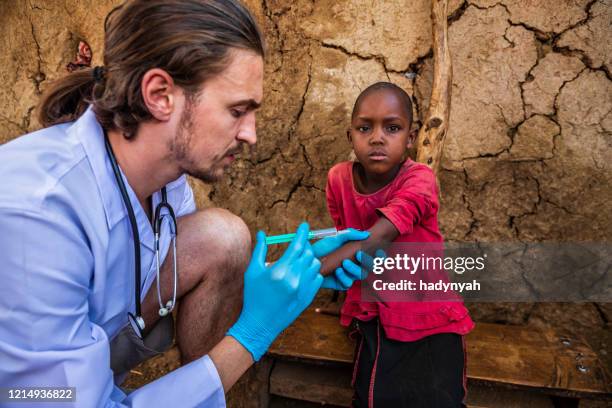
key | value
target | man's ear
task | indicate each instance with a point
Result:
(158, 92)
(348, 136)
(412, 135)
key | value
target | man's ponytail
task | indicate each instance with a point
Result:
(67, 98)
(189, 39)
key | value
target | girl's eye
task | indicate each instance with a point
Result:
(363, 129)
(394, 128)
(237, 113)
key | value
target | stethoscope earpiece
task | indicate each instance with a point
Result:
(163, 311)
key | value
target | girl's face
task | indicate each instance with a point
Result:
(380, 132)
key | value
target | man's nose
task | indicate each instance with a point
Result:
(247, 132)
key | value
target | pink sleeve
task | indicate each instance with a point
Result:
(333, 205)
(414, 199)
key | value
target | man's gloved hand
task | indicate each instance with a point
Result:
(349, 272)
(367, 261)
(275, 296)
(344, 276)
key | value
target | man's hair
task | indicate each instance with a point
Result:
(189, 39)
(387, 86)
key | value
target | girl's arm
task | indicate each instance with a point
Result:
(382, 233)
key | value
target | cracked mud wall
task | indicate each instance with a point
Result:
(528, 155)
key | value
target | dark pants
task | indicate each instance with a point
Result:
(428, 373)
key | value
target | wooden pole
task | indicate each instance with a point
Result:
(430, 141)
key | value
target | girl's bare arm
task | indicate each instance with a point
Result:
(382, 233)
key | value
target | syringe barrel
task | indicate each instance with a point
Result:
(322, 233)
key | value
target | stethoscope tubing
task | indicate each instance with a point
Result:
(133, 224)
(157, 221)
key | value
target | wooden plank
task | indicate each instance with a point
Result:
(314, 336)
(331, 385)
(527, 357)
(511, 356)
(251, 390)
(324, 385)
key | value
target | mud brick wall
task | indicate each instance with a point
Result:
(528, 154)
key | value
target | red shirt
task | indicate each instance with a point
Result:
(410, 203)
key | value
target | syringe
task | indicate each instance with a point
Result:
(316, 234)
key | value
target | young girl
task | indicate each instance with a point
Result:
(409, 354)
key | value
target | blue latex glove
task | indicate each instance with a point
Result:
(275, 296)
(350, 271)
(367, 261)
(344, 276)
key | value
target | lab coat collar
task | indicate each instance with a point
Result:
(88, 131)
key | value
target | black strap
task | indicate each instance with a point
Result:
(131, 216)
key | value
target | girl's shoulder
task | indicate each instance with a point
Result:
(411, 169)
(340, 170)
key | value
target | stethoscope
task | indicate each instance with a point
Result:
(137, 321)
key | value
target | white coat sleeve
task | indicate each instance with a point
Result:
(46, 336)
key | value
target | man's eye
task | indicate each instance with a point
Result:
(237, 113)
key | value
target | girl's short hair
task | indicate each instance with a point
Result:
(387, 86)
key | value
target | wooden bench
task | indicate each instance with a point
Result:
(312, 361)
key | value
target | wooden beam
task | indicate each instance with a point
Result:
(517, 357)
(430, 141)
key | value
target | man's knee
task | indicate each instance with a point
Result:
(217, 233)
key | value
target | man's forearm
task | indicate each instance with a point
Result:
(231, 360)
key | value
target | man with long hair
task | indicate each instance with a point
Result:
(92, 206)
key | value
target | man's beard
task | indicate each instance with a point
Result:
(180, 147)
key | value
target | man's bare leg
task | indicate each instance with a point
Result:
(214, 248)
